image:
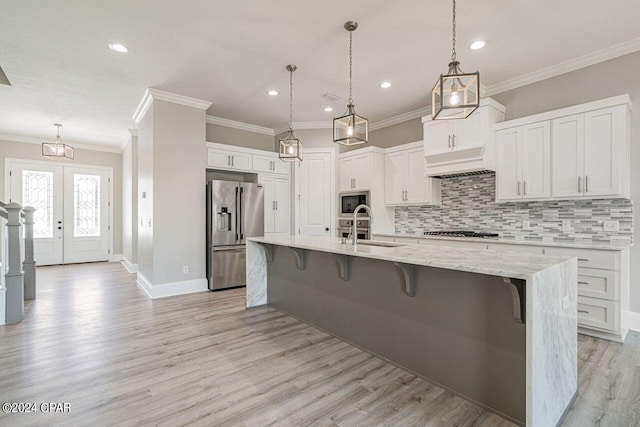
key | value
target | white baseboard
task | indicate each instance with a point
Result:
(633, 320)
(131, 268)
(115, 258)
(163, 290)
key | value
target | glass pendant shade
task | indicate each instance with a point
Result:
(456, 94)
(350, 129)
(57, 149)
(290, 148)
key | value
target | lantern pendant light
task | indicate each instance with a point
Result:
(456, 94)
(350, 129)
(57, 149)
(290, 146)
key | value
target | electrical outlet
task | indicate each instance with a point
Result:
(611, 225)
(185, 269)
(525, 224)
(566, 225)
(565, 302)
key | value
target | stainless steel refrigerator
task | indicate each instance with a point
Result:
(235, 211)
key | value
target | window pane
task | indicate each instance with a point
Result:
(37, 192)
(86, 205)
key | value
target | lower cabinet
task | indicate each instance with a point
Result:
(277, 196)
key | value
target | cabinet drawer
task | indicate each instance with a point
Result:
(606, 260)
(597, 283)
(594, 313)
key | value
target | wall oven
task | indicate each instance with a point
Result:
(363, 230)
(350, 200)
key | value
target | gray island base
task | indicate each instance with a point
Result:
(499, 329)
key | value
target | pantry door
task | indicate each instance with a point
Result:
(40, 186)
(72, 220)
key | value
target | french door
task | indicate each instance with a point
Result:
(72, 221)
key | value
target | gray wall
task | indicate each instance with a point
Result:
(390, 136)
(238, 137)
(312, 138)
(27, 151)
(130, 200)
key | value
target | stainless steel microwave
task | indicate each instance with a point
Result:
(350, 200)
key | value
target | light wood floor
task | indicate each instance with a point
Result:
(94, 340)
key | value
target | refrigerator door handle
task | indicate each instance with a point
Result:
(241, 214)
(237, 215)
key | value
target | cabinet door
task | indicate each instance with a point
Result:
(218, 158)
(567, 156)
(269, 203)
(418, 187)
(262, 163)
(468, 133)
(395, 171)
(604, 132)
(346, 173)
(361, 171)
(282, 201)
(281, 167)
(508, 164)
(437, 137)
(536, 161)
(241, 161)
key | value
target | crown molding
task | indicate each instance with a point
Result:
(303, 126)
(565, 67)
(133, 132)
(159, 95)
(394, 120)
(31, 140)
(239, 125)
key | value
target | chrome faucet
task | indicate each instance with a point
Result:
(355, 222)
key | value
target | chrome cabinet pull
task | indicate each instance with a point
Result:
(228, 160)
(518, 188)
(579, 184)
(454, 141)
(406, 195)
(583, 283)
(586, 183)
(449, 142)
(583, 311)
(524, 187)
(583, 259)
(276, 205)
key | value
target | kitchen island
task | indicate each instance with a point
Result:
(498, 328)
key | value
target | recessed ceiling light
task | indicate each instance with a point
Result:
(117, 47)
(328, 109)
(477, 45)
(385, 85)
(272, 92)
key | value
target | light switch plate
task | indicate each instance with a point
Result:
(611, 225)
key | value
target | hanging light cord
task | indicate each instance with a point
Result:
(290, 100)
(350, 67)
(453, 52)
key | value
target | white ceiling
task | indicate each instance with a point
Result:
(230, 53)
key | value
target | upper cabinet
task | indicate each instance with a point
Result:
(524, 159)
(405, 182)
(227, 157)
(356, 169)
(464, 145)
(588, 157)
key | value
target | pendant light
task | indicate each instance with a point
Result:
(290, 146)
(350, 129)
(57, 149)
(456, 94)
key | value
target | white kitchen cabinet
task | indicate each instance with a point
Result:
(270, 164)
(524, 162)
(405, 183)
(228, 159)
(355, 171)
(277, 203)
(460, 146)
(568, 156)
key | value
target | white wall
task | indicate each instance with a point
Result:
(28, 151)
(130, 200)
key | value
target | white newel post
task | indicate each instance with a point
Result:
(29, 264)
(14, 278)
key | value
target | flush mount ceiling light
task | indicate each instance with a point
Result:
(328, 109)
(117, 47)
(456, 94)
(272, 92)
(350, 129)
(290, 146)
(385, 85)
(57, 149)
(477, 45)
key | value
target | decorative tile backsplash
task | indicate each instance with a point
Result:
(468, 203)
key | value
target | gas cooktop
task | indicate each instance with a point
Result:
(460, 233)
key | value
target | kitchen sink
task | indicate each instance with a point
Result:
(379, 243)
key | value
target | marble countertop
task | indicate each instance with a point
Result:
(578, 244)
(494, 263)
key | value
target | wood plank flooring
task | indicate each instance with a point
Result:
(93, 339)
